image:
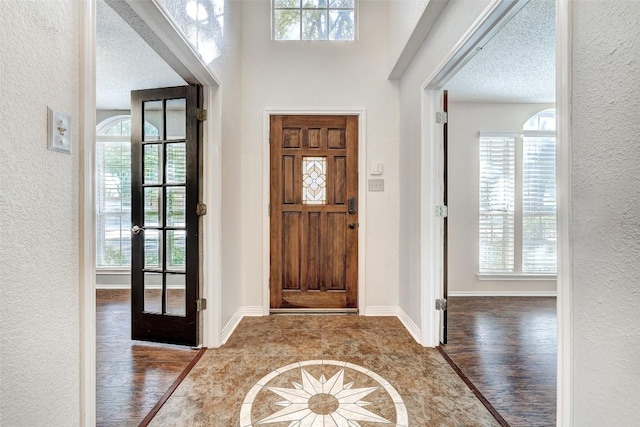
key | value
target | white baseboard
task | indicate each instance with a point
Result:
(502, 293)
(244, 311)
(408, 323)
(381, 310)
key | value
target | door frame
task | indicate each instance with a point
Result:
(431, 167)
(362, 195)
(211, 279)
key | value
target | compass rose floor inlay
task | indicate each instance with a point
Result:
(322, 371)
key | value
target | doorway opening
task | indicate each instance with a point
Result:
(482, 40)
(121, 55)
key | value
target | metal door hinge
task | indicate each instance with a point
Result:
(201, 304)
(442, 211)
(441, 304)
(201, 114)
(201, 209)
(442, 117)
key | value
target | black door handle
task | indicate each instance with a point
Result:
(352, 225)
(353, 205)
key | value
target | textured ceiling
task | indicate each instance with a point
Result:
(516, 65)
(125, 62)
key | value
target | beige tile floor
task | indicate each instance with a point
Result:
(317, 371)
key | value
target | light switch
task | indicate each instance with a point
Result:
(59, 131)
(376, 185)
(375, 168)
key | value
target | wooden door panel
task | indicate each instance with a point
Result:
(313, 174)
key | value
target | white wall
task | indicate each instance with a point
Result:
(321, 75)
(39, 304)
(465, 120)
(403, 17)
(228, 69)
(606, 212)
(456, 18)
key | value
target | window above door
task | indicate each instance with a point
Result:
(313, 20)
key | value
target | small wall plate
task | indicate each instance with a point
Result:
(59, 131)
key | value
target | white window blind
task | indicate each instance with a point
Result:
(497, 203)
(539, 234)
(113, 203)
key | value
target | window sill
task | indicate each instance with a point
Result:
(516, 277)
(111, 270)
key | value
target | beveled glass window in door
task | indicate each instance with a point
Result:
(314, 180)
(165, 188)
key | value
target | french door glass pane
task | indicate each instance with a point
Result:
(176, 118)
(176, 167)
(176, 250)
(153, 115)
(152, 171)
(176, 292)
(152, 249)
(153, 292)
(152, 207)
(176, 210)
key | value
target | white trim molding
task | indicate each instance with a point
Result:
(514, 277)
(87, 227)
(564, 411)
(381, 310)
(241, 313)
(409, 324)
(362, 194)
(502, 294)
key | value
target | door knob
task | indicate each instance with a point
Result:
(135, 229)
(352, 225)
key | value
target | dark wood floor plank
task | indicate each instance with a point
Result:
(507, 347)
(131, 375)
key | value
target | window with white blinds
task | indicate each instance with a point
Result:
(113, 191)
(517, 222)
(497, 203)
(539, 234)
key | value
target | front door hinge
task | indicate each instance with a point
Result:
(442, 117)
(442, 211)
(201, 114)
(201, 209)
(441, 304)
(201, 304)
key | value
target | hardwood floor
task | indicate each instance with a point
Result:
(131, 375)
(507, 347)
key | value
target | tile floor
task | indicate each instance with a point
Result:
(342, 371)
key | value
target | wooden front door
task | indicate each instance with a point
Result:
(165, 191)
(314, 212)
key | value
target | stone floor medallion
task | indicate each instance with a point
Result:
(323, 393)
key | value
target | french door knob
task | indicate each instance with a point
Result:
(136, 230)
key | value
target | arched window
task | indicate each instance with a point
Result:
(517, 222)
(113, 191)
